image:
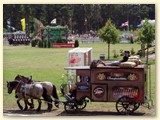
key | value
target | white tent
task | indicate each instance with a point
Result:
(150, 21)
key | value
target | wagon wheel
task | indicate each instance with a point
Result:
(82, 104)
(126, 105)
(70, 107)
(136, 106)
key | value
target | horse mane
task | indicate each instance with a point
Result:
(24, 79)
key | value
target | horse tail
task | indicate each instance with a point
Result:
(44, 95)
(55, 95)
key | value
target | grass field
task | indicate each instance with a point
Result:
(47, 64)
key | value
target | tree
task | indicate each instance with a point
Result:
(147, 35)
(109, 34)
(140, 40)
(71, 14)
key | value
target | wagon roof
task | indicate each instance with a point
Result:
(77, 67)
(109, 67)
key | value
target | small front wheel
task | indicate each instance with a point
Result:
(82, 104)
(70, 107)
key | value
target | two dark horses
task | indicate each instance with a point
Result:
(25, 88)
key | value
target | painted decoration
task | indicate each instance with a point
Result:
(101, 76)
(132, 77)
(80, 56)
(98, 92)
(125, 91)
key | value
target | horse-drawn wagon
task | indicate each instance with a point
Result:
(128, 87)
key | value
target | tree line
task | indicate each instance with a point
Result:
(78, 17)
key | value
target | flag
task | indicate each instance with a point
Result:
(9, 24)
(54, 21)
(9, 21)
(85, 22)
(23, 23)
(125, 23)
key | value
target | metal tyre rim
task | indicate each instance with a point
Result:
(70, 107)
(82, 105)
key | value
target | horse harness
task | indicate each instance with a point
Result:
(17, 89)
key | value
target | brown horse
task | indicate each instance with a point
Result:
(26, 80)
(27, 91)
(51, 89)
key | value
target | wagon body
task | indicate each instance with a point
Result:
(125, 86)
(108, 84)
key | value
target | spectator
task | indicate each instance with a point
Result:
(117, 63)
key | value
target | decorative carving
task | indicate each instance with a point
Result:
(101, 76)
(132, 76)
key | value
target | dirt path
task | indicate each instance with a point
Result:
(90, 110)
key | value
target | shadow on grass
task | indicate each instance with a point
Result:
(97, 113)
(54, 112)
(25, 113)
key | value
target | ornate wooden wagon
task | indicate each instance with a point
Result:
(128, 87)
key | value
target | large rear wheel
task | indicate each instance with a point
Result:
(126, 105)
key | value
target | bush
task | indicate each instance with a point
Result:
(5, 30)
(40, 43)
(33, 43)
(59, 40)
(49, 43)
(76, 44)
(115, 54)
(44, 43)
(121, 52)
(132, 41)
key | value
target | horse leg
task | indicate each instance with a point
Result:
(19, 105)
(25, 102)
(49, 99)
(39, 106)
(31, 104)
(55, 95)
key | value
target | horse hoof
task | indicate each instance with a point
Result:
(25, 109)
(31, 107)
(37, 110)
(21, 108)
(49, 110)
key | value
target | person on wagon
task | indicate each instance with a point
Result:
(124, 59)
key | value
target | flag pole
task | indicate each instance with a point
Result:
(128, 25)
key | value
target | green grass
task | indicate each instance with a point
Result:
(47, 64)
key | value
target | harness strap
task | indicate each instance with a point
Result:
(18, 87)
